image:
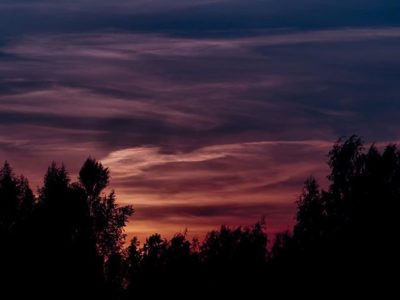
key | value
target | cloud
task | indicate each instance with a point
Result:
(202, 218)
(61, 101)
(195, 17)
(133, 161)
(133, 46)
(197, 126)
(234, 184)
(249, 211)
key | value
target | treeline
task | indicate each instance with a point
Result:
(69, 240)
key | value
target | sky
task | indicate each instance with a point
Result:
(207, 112)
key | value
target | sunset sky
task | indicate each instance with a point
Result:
(206, 111)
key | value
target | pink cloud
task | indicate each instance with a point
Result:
(187, 124)
(259, 175)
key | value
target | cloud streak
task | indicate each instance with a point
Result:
(127, 46)
(215, 184)
(197, 131)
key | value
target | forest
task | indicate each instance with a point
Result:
(68, 240)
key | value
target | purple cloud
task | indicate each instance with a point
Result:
(197, 130)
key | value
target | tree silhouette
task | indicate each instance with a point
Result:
(16, 199)
(334, 238)
(133, 267)
(16, 205)
(108, 218)
(69, 240)
(94, 177)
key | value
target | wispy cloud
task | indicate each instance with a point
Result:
(134, 161)
(128, 46)
(197, 129)
(248, 180)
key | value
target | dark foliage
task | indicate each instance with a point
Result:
(64, 242)
(345, 237)
(68, 241)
